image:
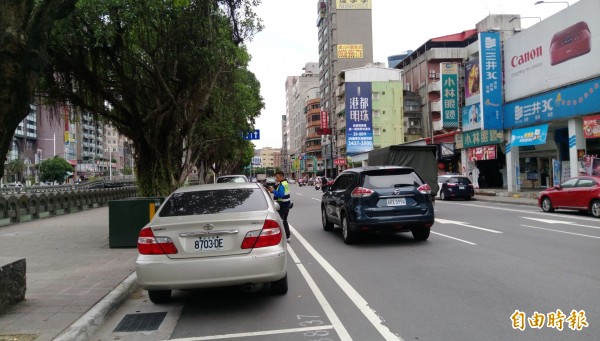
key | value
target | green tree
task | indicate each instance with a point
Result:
(149, 68)
(24, 27)
(16, 167)
(55, 169)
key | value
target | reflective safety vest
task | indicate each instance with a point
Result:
(286, 192)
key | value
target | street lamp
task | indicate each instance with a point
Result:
(551, 2)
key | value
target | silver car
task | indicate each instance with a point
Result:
(214, 235)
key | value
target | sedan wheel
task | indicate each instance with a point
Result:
(327, 226)
(443, 195)
(159, 296)
(547, 205)
(349, 235)
(280, 287)
(596, 208)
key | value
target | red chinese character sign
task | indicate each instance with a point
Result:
(324, 119)
(482, 153)
(339, 162)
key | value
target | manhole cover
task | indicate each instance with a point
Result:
(140, 322)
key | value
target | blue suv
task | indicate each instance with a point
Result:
(378, 198)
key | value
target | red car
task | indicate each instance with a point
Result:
(579, 193)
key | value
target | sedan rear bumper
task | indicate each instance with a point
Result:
(158, 272)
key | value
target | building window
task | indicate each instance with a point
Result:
(376, 131)
(376, 113)
(375, 95)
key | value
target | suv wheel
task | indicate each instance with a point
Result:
(421, 233)
(349, 235)
(327, 226)
(547, 205)
(159, 296)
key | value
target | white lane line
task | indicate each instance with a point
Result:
(444, 221)
(298, 194)
(546, 214)
(331, 315)
(549, 221)
(559, 231)
(316, 199)
(265, 332)
(354, 296)
(460, 240)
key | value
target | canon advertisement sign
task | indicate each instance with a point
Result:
(561, 50)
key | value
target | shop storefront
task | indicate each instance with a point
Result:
(482, 157)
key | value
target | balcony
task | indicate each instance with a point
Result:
(434, 86)
(436, 106)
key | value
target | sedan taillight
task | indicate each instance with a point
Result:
(270, 235)
(148, 244)
(361, 192)
(424, 189)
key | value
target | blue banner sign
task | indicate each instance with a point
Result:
(251, 135)
(529, 136)
(359, 118)
(490, 92)
(572, 101)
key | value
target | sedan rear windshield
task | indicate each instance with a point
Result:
(387, 180)
(461, 180)
(214, 201)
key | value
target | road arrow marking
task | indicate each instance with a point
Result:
(444, 221)
(550, 221)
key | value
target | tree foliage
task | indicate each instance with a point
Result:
(150, 68)
(55, 169)
(24, 27)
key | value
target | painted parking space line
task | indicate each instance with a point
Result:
(444, 221)
(559, 231)
(353, 295)
(460, 240)
(329, 312)
(249, 334)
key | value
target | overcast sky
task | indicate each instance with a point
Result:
(289, 39)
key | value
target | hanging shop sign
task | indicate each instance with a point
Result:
(529, 136)
(339, 162)
(482, 153)
(353, 4)
(490, 92)
(478, 138)
(591, 127)
(449, 95)
(324, 119)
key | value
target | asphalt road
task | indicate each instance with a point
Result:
(483, 263)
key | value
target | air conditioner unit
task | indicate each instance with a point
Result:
(431, 75)
(437, 75)
(407, 86)
(431, 71)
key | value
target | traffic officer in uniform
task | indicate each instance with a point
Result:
(281, 194)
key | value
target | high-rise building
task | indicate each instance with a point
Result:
(345, 41)
(299, 91)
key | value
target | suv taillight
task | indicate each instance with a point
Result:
(270, 235)
(148, 244)
(424, 189)
(360, 192)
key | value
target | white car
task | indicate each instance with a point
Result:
(214, 235)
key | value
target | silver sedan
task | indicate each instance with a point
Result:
(213, 235)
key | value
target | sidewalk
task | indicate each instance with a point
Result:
(70, 272)
(75, 281)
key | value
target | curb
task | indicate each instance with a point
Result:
(512, 202)
(84, 328)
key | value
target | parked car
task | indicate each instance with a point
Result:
(580, 193)
(455, 186)
(226, 234)
(378, 198)
(270, 182)
(232, 178)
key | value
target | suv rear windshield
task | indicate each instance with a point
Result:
(391, 178)
(214, 201)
